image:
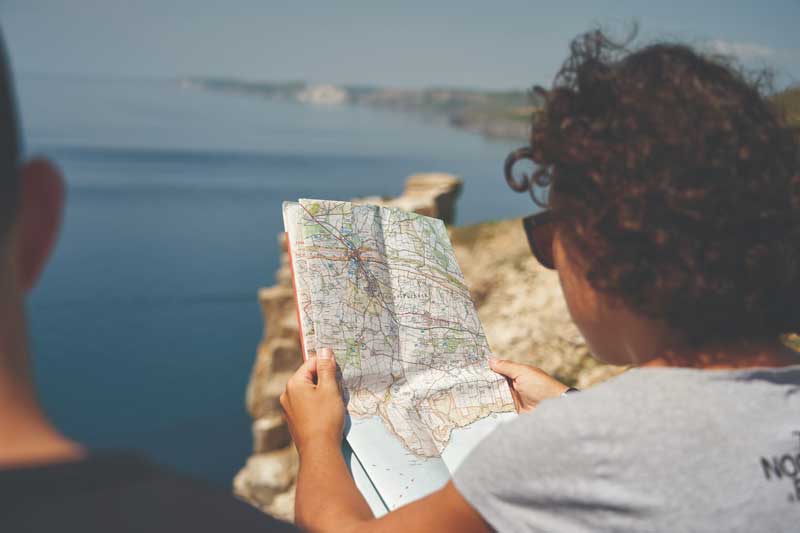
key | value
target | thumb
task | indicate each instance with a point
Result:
(509, 369)
(307, 371)
(326, 368)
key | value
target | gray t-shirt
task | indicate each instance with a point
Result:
(651, 450)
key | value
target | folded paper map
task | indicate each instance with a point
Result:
(381, 287)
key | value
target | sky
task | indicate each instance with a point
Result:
(483, 44)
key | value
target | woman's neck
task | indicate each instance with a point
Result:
(728, 355)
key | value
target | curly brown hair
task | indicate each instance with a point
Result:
(680, 182)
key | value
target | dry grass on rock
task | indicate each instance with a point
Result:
(521, 306)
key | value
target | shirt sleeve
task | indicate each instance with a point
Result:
(553, 469)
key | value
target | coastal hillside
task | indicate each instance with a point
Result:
(497, 114)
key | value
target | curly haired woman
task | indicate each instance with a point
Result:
(673, 219)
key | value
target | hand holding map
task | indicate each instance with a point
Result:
(382, 288)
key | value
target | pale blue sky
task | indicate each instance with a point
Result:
(498, 44)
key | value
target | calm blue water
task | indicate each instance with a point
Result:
(145, 324)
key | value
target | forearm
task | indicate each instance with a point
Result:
(327, 499)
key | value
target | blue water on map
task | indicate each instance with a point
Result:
(146, 322)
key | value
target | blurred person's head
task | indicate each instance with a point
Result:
(676, 189)
(31, 199)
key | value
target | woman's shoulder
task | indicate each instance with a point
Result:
(643, 396)
(594, 453)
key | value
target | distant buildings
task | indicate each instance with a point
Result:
(324, 94)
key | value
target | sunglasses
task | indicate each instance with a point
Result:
(539, 228)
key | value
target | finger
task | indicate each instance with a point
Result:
(306, 372)
(509, 369)
(514, 394)
(326, 368)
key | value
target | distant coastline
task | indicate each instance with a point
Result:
(493, 114)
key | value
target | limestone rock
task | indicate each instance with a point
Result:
(270, 433)
(432, 194)
(266, 477)
(278, 354)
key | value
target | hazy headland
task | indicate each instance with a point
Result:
(495, 114)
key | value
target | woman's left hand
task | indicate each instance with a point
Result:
(312, 403)
(529, 385)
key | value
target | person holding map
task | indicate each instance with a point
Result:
(673, 220)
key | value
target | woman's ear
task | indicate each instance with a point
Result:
(40, 208)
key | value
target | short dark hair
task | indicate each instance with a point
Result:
(9, 144)
(680, 181)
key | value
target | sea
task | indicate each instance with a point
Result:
(145, 323)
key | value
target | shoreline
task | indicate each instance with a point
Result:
(497, 115)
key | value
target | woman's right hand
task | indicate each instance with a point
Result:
(529, 385)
